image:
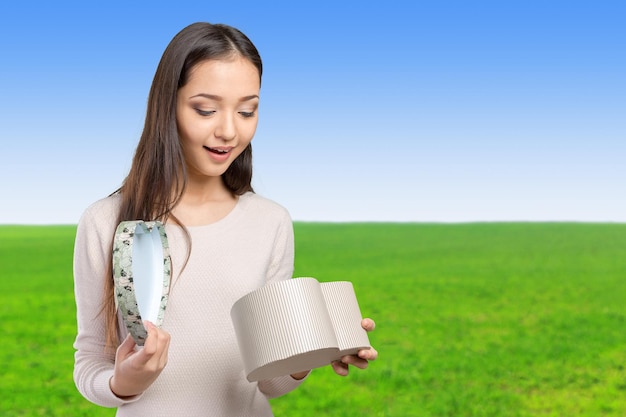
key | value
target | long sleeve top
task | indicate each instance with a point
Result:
(250, 247)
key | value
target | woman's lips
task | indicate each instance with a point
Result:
(219, 153)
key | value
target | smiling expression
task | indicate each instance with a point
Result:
(216, 113)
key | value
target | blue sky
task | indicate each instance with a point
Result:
(447, 111)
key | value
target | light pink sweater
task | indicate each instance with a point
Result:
(204, 376)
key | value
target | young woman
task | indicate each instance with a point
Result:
(192, 171)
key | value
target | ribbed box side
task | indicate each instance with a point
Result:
(345, 316)
(281, 320)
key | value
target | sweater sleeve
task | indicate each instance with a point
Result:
(281, 268)
(282, 261)
(93, 365)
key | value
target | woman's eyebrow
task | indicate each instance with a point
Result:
(218, 98)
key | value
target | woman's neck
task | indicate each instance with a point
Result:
(204, 203)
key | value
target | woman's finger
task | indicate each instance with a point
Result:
(164, 351)
(125, 349)
(150, 344)
(355, 361)
(368, 354)
(368, 324)
(156, 346)
(340, 368)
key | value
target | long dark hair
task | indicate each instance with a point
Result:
(158, 176)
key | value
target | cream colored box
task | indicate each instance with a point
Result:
(296, 325)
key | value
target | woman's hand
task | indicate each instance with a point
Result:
(361, 359)
(135, 371)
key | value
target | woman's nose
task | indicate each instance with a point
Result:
(226, 129)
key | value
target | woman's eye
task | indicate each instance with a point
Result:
(205, 112)
(247, 114)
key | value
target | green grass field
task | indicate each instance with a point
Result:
(485, 319)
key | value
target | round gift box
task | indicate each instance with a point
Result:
(296, 325)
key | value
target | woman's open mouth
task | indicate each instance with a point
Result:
(219, 153)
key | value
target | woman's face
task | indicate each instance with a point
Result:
(216, 113)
